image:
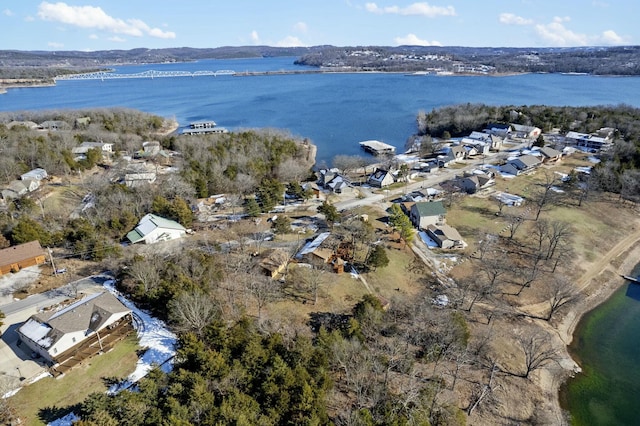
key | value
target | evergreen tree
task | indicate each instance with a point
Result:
(251, 207)
(377, 257)
(331, 214)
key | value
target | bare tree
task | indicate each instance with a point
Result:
(192, 311)
(560, 293)
(537, 351)
(559, 232)
(544, 196)
(264, 290)
(146, 272)
(513, 223)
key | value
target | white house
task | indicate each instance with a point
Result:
(380, 178)
(35, 174)
(152, 229)
(423, 214)
(84, 147)
(51, 333)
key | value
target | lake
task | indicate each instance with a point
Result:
(336, 111)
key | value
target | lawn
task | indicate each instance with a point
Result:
(49, 398)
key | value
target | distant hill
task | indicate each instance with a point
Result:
(469, 60)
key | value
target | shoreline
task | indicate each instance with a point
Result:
(597, 284)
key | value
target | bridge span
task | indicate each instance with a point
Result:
(104, 75)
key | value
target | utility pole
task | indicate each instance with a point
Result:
(53, 265)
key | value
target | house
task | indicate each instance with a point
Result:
(338, 184)
(526, 132)
(550, 155)
(54, 125)
(380, 178)
(26, 124)
(445, 236)
(82, 122)
(14, 258)
(521, 164)
(427, 213)
(135, 180)
(476, 146)
(35, 174)
(52, 333)
(499, 129)
(326, 251)
(151, 148)
(84, 147)
(458, 152)
(15, 189)
(274, 262)
(152, 229)
(474, 182)
(589, 142)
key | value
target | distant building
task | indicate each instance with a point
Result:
(35, 174)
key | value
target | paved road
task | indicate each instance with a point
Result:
(52, 297)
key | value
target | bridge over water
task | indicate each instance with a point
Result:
(103, 75)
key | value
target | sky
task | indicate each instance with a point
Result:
(90, 25)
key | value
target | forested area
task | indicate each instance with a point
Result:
(237, 164)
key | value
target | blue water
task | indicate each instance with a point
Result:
(335, 111)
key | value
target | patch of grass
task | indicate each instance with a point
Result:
(49, 398)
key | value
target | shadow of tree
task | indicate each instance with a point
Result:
(49, 414)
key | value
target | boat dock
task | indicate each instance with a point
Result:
(377, 147)
(632, 279)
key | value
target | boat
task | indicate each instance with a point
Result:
(632, 279)
(203, 128)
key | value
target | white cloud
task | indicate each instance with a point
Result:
(95, 17)
(511, 19)
(290, 41)
(255, 38)
(300, 27)
(415, 9)
(29, 18)
(556, 34)
(93, 36)
(414, 40)
(7, 12)
(117, 39)
(55, 45)
(610, 37)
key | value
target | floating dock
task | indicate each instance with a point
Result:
(632, 279)
(378, 148)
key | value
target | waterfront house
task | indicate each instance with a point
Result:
(525, 132)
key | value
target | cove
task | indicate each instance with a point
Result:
(606, 346)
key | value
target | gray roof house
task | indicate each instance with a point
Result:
(51, 333)
(472, 183)
(380, 178)
(35, 174)
(445, 236)
(152, 229)
(550, 154)
(521, 164)
(427, 213)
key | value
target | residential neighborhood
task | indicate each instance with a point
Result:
(296, 244)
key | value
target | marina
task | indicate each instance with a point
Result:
(203, 128)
